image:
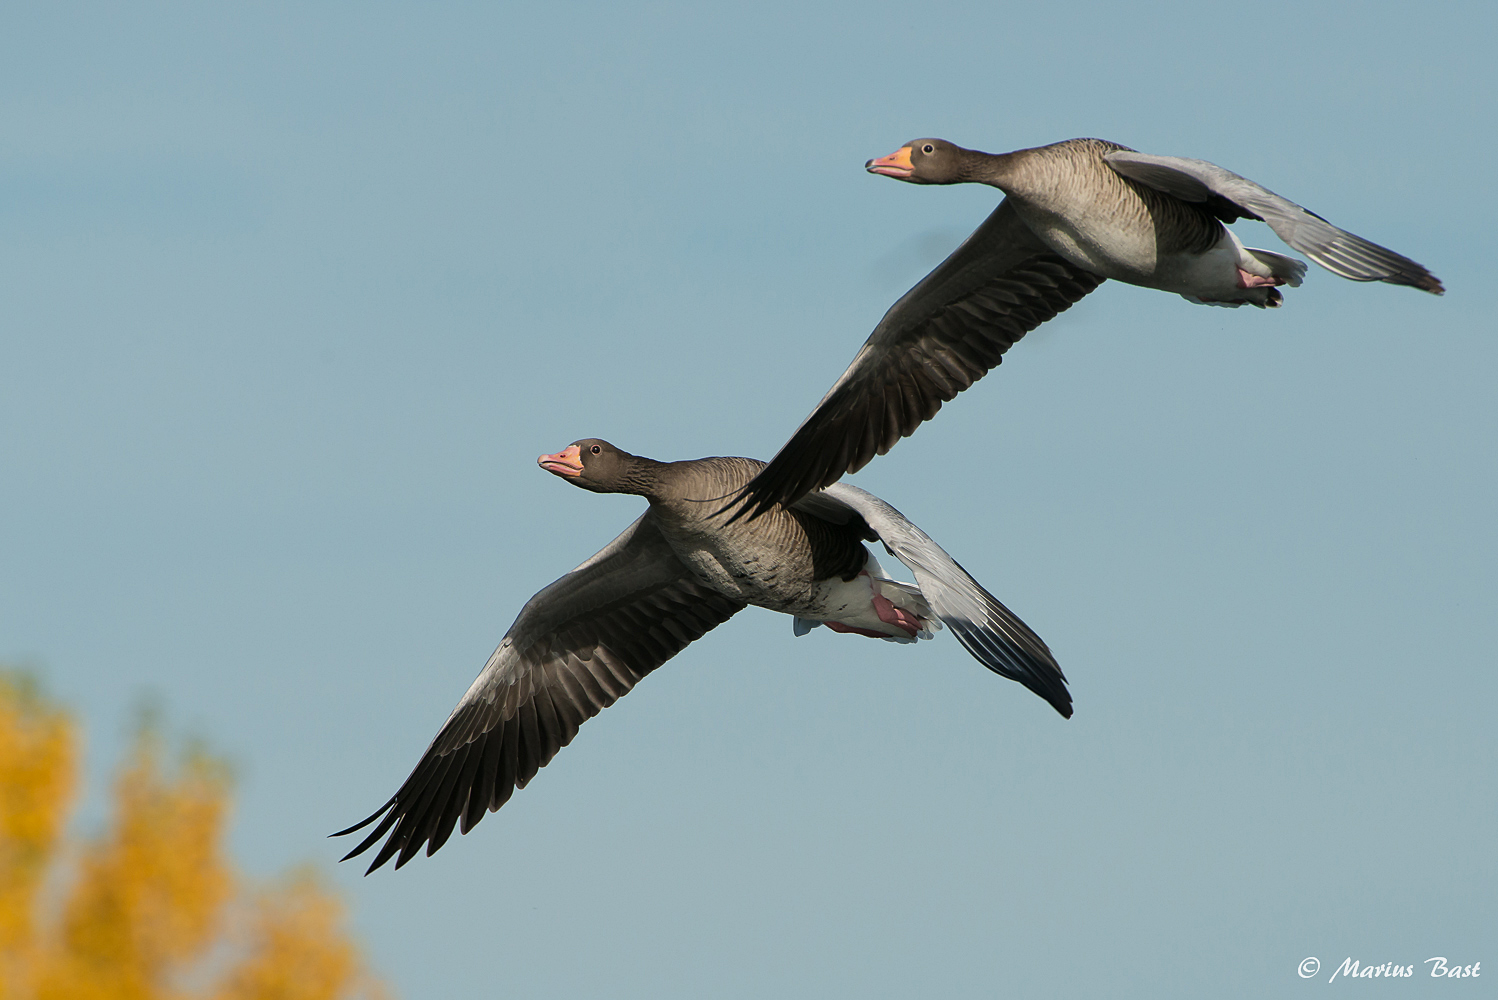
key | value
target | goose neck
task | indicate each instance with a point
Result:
(642, 477)
(994, 169)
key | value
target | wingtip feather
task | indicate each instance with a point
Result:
(366, 820)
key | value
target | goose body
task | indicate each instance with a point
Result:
(790, 561)
(1100, 221)
(1155, 221)
(677, 572)
(1075, 214)
(1080, 206)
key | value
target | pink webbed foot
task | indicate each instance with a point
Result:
(1246, 280)
(854, 630)
(898, 617)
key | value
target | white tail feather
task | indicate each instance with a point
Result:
(1287, 269)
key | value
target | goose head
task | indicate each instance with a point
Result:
(596, 465)
(923, 161)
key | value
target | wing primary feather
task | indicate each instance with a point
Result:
(483, 785)
(374, 836)
(423, 818)
(1005, 663)
(576, 648)
(456, 800)
(366, 821)
(989, 631)
(529, 744)
(416, 780)
(1301, 228)
(508, 760)
(965, 314)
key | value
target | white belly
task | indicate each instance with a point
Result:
(1130, 253)
(852, 605)
(1216, 278)
(1209, 276)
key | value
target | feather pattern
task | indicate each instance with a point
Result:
(1337, 250)
(576, 648)
(937, 340)
(673, 575)
(994, 635)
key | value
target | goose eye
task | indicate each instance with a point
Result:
(596, 450)
(928, 149)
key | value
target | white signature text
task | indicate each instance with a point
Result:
(1352, 968)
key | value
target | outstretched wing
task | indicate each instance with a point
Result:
(578, 646)
(941, 337)
(1335, 249)
(991, 632)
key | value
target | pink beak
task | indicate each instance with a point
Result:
(567, 463)
(896, 164)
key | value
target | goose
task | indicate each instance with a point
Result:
(1075, 213)
(680, 570)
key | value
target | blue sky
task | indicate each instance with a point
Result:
(295, 295)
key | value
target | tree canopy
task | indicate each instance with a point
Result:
(152, 908)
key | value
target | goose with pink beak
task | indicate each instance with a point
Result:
(1074, 214)
(681, 569)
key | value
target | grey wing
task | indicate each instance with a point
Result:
(941, 337)
(992, 633)
(576, 648)
(1335, 249)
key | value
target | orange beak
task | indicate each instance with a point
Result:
(896, 164)
(566, 463)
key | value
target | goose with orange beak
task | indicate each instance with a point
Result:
(896, 164)
(677, 572)
(1074, 214)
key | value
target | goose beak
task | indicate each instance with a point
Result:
(567, 463)
(896, 164)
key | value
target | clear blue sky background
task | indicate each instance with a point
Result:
(294, 295)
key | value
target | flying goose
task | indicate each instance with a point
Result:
(1075, 213)
(676, 573)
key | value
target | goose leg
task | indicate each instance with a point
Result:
(899, 617)
(1247, 280)
(855, 630)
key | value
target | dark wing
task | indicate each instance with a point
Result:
(1335, 249)
(988, 630)
(578, 646)
(941, 337)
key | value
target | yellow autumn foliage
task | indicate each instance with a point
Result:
(296, 950)
(152, 909)
(38, 771)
